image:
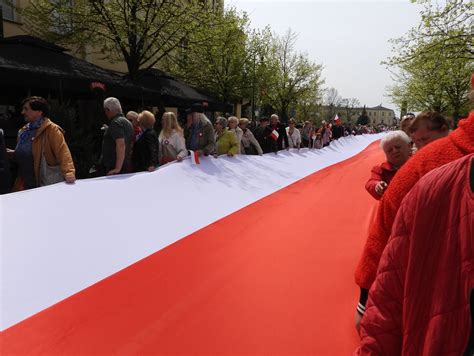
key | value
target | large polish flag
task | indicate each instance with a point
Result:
(241, 255)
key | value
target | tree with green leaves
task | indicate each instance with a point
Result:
(363, 119)
(432, 64)
(292, 76)
(443, 27)
(217, 59)
(349, 107)
(140, 32)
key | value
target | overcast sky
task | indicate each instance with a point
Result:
(350, 38)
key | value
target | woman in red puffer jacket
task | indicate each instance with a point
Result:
(419, 303)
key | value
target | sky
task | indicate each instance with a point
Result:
(350, 38)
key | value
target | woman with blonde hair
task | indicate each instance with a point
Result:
(145, 149)
(172, 145)
(233, 124)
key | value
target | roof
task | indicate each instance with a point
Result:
(379, 107)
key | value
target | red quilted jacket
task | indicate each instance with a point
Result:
(459, 143)
(419, 302)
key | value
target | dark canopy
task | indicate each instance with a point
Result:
(176, 93)
(30, 62)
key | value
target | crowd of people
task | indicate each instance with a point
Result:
(131, 144)
(416, 272)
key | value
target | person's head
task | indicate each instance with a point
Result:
(195, 113)
(397, 148)
(34, 107)
(427, 127)
(169, 121)
(243, 122)
(405, 122)
(233, 122)
(132, 116)
(324, 123)
(146, 120)
(264, 122)
(221, 123)
(112, 107)
(274, 119)
(292, 122)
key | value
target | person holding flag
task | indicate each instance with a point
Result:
(337, 128)
(278, 132)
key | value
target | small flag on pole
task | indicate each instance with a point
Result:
(275, 135)
(194, 157)
(336, 117)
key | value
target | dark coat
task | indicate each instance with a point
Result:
(337, 132)
(281, 129)
(263, 136)
(4, 167)
(145, 151)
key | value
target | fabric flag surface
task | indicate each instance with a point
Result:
(194, 157)
(275, 135)
(238, 255)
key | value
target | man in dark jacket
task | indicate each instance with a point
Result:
(263, 135)
(277, 126)
(337, 129)
(4, 167)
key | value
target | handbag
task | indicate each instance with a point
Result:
(48, 174)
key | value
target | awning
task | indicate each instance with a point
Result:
(177, 93)
(30, 62)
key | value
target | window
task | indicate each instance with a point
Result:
(383, 113)
(8, 9)
(370, 113)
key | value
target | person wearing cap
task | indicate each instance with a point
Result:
(198, 132)
(226, 140)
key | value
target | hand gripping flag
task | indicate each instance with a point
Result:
(194, 157)
(275, 135)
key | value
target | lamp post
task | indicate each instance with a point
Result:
(253, 86)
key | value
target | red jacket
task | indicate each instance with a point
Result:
(384, 172)
(459, 143)
(419, 303)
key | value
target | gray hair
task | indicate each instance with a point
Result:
(395, 135)
(222, 121)
(113, 104)
(202, 118)
(275, 116)
(233, 119)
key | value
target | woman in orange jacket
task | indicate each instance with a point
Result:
(41, 143)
